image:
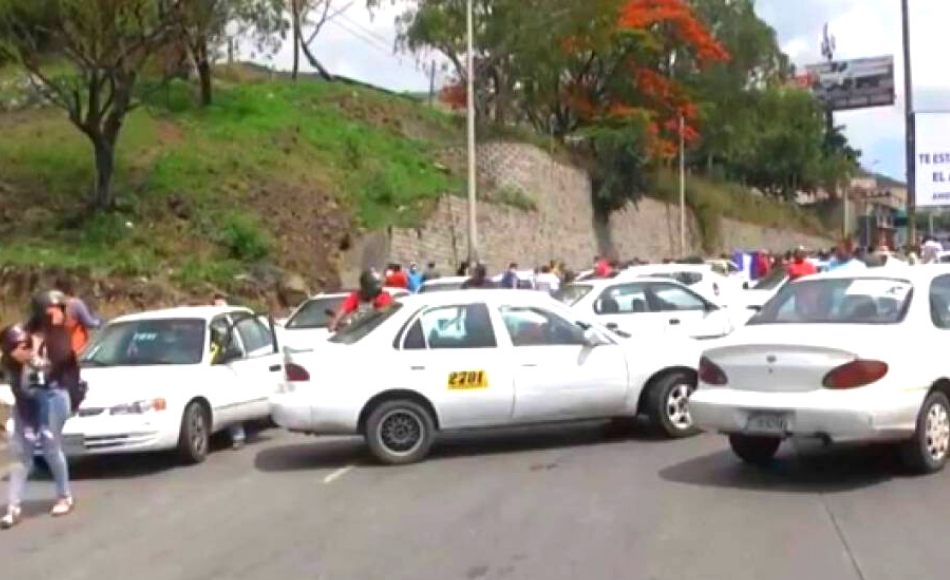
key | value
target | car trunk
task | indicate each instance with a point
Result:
(790, 358)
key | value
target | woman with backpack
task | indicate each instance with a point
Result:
(43, 348)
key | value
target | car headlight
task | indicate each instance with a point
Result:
(139, 407)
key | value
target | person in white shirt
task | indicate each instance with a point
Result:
(930, 251)
(548, 281)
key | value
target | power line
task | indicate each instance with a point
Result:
(368, 30)
(366, 39)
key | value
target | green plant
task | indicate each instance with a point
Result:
(513, 196)
(244, 238)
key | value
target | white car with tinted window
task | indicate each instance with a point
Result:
(851, 356)
(648, 307)
(476, 359)
(156, 383)
(701, 278)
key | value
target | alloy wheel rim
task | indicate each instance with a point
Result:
(677, 407)
(938, 432)
(400, 432)
(197, 433)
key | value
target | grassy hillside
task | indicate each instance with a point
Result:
(204, 192)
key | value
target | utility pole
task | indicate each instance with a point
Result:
(472, 179)
(432, 84)
(909, 127)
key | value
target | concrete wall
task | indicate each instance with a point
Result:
(563, 226)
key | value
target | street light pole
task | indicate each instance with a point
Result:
(909, 127)
(472, 177)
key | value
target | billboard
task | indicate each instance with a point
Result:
(932, 184)
(853, 84)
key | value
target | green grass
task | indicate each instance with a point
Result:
(374, 152)
(712, 200)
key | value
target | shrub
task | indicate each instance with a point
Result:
(244, 238)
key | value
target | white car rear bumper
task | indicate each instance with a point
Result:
(300, 411)
(840, 416)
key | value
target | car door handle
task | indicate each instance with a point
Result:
(529, 365)
(275, 368)
(674, 321)
(417, 368)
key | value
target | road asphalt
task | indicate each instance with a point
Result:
(554, 503)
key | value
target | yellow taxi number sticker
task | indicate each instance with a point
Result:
(468, 380)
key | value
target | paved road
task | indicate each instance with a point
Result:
(559, 503)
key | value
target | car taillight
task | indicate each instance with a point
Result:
(296, 373)
(710, 373)
(856, 373)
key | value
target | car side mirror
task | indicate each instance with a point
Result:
(710, 307)
(593, 339)
(745, 285)
(230, 354)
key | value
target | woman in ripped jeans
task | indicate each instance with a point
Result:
(41, 408)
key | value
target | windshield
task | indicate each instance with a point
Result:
(365, 324)
(572, 293)
(839, 301)
(148, 342)
(773, 280)
(315, 313)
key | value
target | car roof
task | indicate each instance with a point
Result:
(598, 282)
(195, 312)
(919, 273)
(452, 297)
(445, 280)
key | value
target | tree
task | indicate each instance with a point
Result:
(313, 14)
(203, 30)
(105, 43)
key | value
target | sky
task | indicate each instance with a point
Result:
(360, 46)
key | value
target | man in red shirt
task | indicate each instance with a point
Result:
(396, 278)
(370, 296)
(799, 266)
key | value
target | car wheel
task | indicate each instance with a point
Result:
(399, 432)
(195, 434)
(928, 450)
(668, 404)
(754, 449)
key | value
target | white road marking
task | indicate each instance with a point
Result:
(338, 474)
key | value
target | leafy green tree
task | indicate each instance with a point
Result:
(105, 44)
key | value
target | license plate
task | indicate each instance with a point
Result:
(770, 423)
(73, 444)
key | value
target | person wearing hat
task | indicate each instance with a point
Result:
(799, 265)
(370, 296)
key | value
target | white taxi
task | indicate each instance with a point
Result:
(156, 383)
(480, 358)
(648, 306)
(850, 356)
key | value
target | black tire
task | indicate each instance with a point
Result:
(399, 432)
(667, 404)
(193, 440)
(927, 451)
(755, 450)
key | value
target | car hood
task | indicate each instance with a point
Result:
(116, 385)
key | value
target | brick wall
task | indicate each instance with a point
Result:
(562, 227)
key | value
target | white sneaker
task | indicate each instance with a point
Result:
(14, 513)
(62, 507)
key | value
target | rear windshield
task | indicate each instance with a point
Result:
(365, 324)
(315, 313)
(572, 293)
(839, 300)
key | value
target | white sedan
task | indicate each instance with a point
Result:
(647, 307)
(852, 356)
(308, 325)
(701, 278)
(153, 385)
(480, 358)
